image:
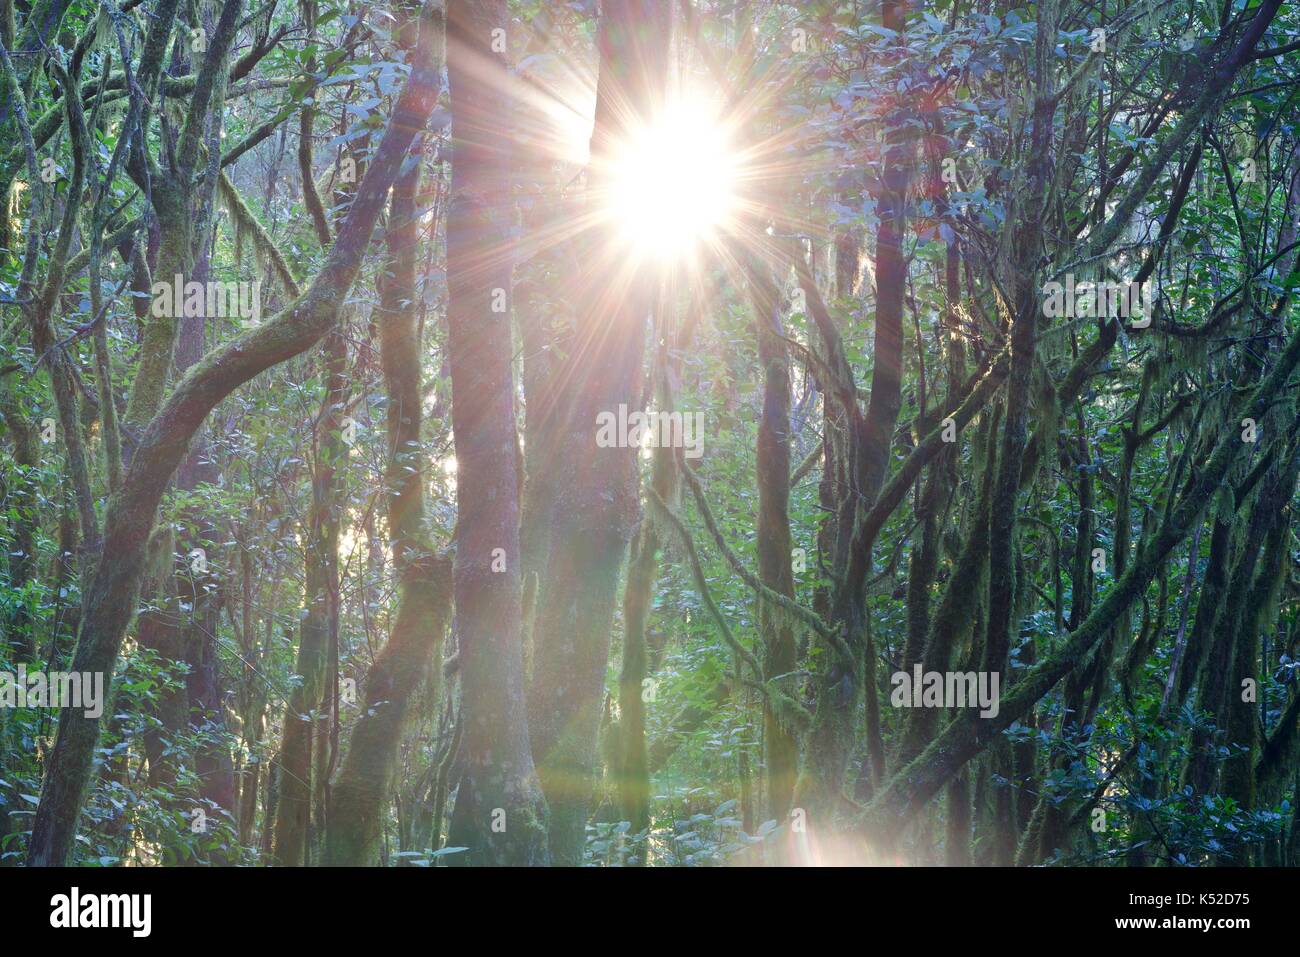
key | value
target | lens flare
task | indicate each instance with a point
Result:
(673, 183)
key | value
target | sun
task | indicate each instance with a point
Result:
(673, 182)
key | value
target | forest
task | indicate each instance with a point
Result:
(649, 433)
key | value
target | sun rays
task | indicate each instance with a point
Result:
(679, 195)
(673, 183)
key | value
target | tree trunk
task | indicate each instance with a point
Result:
(424, 602)
(499, 813)
(595, 508)
(320, 621)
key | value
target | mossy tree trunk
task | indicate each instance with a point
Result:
(320, 619)
(499, 813)
(365, 780)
